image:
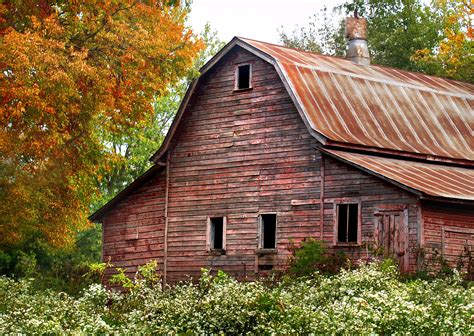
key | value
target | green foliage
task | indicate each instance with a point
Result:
(147, 275)
(397, 30)
(312, 256)
(321, 35)
(26, 265)
(64, 269)
(121, 279)
(370, 300)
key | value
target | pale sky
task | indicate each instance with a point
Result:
(256, 19)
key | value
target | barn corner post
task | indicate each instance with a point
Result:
(165, 242)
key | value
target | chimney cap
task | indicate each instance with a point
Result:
(356, 33)
(356, 28)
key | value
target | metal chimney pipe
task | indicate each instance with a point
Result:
(356, 33)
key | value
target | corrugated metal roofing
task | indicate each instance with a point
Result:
(429, 178)
(377, 106)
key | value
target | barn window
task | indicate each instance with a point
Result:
(243, 77)
(216, 233)
(268, 224)
(347, 216)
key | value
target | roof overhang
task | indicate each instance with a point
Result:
(427, 180)
(99, 215)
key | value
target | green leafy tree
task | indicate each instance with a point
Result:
(396, 30)
(453, 56)
(321, 35)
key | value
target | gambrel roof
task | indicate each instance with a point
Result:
(372, 108)
(378, 107)
(423, 124)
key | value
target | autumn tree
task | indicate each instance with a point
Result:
(453, 55)
(131, 151)
(73, 73)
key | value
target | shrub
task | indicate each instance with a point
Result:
(312, 256)
(59, 269)
(369, 300)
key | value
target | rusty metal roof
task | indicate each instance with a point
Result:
(376, 106)
(430, 179)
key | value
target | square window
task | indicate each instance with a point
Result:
(243, 77)
(347, 223)
(216, 237)
(268, 231)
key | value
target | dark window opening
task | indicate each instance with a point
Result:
(265, 267)
(348, 223)
(268, 227)
(243, 76)
(217, 233)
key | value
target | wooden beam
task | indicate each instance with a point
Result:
(165, 245)
(321, 197)
(305, 202)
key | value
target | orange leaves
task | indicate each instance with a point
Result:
(452, 57)
(71, 74)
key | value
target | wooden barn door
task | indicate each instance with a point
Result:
(391, 234)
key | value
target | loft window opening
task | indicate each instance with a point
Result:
(268, 231)
(347, 223)
(243, 80)
(217, 233)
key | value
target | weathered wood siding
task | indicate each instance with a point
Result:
(448, 233)
(344, 181)
(133, 233)
(240, 154)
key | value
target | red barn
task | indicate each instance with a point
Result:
(273, 145)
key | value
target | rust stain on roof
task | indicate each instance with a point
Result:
(379, 107)
(429, 178)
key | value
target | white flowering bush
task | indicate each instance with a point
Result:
(370, 300)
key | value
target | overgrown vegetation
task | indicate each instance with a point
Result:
(66, 269)
(312, 255)
(370, 300)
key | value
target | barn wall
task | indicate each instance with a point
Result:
(133, 233)
(238, 154)
(344, 181)
(448, 231)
